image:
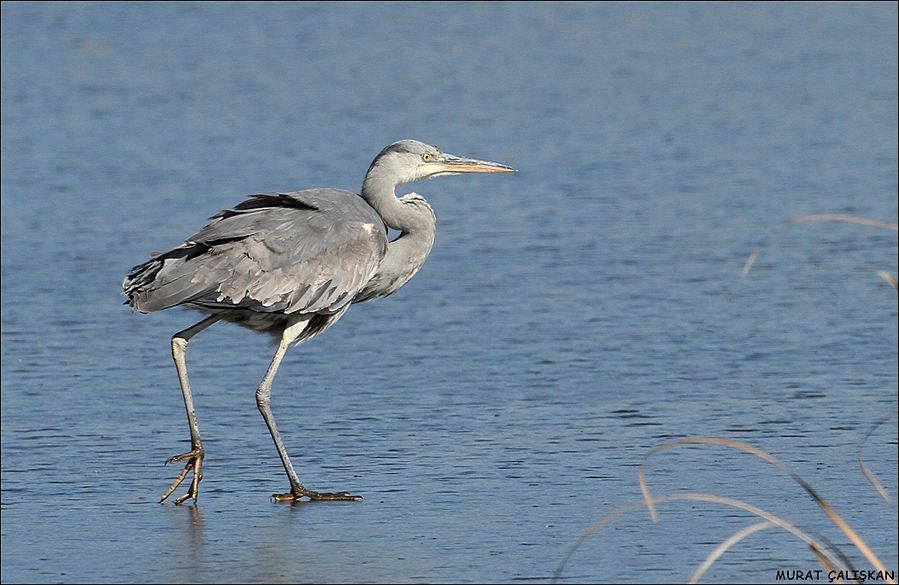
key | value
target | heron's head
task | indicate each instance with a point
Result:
(410, 160)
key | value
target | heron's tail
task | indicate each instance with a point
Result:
(160, 283)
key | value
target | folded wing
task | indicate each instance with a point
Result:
(304, 252)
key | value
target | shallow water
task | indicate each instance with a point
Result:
(571, 317)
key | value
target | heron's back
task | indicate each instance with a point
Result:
(307, 252)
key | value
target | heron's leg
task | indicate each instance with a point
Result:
(194, 457)
(263, 399)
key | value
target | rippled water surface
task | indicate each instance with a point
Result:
(571, 317)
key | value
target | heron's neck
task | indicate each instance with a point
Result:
(405, 255)
(380, 193)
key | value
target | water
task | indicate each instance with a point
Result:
(571, 317)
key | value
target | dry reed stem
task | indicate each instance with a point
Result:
(597, 526)
(824, 562)
(831, 513)
(700, 497)
(845, 219)
(868, 475)
(747, 266)
(641, 475)
(722, 548)
(889, 278)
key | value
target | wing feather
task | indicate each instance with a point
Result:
(304, 252)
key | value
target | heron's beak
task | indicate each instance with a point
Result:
(456, 164)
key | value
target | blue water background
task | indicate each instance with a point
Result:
(570, 318)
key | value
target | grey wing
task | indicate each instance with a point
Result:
(306, 252)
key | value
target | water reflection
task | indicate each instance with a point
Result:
(188, 520)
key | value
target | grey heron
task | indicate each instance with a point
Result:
(290, 265)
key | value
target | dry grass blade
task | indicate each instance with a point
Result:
(747, 266)
(847, 530)
(889, 278)
(868, 475)
(824, 562)
(641, 475)
(597, 526)
(730, 502)
(831, 513)
(724, 546)
(840, 217)
(644, 489)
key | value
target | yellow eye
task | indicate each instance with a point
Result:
(427, 157)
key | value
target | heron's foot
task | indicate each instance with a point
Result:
(298, 493)
(194, 460)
